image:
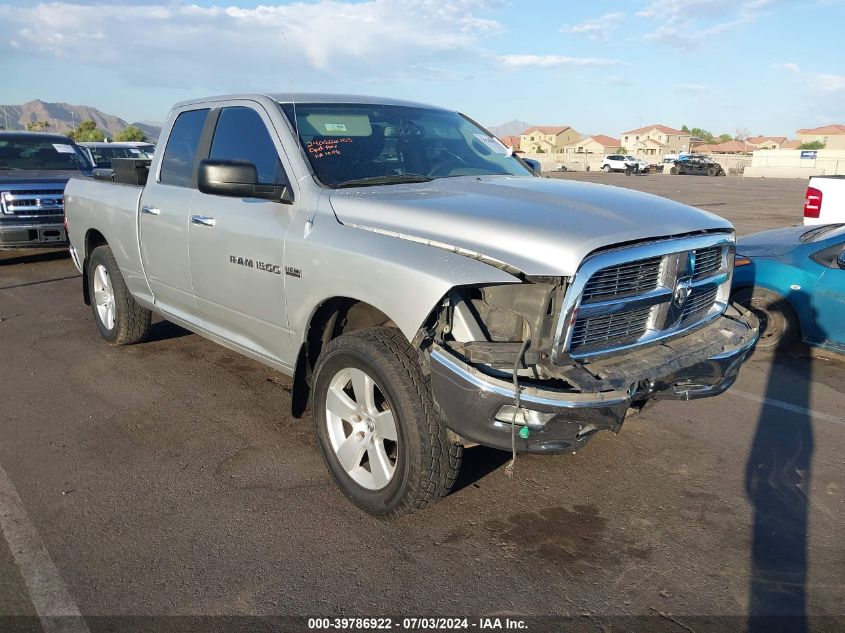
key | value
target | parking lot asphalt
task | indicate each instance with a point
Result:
(168, 478)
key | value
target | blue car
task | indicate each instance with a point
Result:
(794, 280)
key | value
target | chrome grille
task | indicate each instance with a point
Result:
(32, 202)
(644, 293)
(609, 330)
(626, 279)
(698, 305)
(707, 261)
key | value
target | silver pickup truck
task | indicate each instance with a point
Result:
(423, 287)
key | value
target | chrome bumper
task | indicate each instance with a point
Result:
(557, 420)
(15, 236)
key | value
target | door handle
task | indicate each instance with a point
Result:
(150, 210)
(204, 220)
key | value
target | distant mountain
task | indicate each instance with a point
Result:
(62, 117)
(511, 128)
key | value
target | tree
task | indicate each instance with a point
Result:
(87, 131)
(724, 138)
(130, 133)
(812, 145)
(37, 126)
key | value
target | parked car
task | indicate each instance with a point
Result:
(701, 165)
(794, 281)
(423, 288)
(824, 202)
(617, 162)
(102, 154)
(34, 169)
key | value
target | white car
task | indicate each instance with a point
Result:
(824, 202)
(618, 162)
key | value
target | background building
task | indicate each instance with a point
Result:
(548, 139)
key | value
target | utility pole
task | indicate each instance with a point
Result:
(73, 120)
(6, 116)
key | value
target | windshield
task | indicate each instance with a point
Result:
(824, 232)
(31, 152)
(364, 144)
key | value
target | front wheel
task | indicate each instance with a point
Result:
(712, 172)
(376, 425)
(119, 318)
(778, 322)
(673, 171)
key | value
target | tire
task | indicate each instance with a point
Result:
(778, 322)
(712, 171)
(419, 464)
(606, 169)
(673, 171)
(119, 318)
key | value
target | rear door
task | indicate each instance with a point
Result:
(829, 303)
(237, 244)
(163, 222)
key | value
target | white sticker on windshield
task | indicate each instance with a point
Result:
(335, 127)
(64, 149)
(494, 144)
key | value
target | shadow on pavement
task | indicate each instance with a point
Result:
(777, 482)
(14, 258)
(479, 461)
(165, 330)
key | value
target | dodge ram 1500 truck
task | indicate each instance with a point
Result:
(423, 288)
(34, 169)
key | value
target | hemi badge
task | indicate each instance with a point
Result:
(293, 272)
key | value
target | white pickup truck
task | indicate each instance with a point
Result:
(824, 202)
(422, 286)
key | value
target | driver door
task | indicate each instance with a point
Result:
(237, 244)
(828, 302)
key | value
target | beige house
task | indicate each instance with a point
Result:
(833, 136)
(549, 139)
(653, 141)
(598, 144)
(766, 142)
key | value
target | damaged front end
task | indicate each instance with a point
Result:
(636, 324)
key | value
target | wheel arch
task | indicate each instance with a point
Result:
(329, 319)
(93, 239)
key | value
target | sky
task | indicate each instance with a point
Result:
(603, 66)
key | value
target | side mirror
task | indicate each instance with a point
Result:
(535, 165)
(840, 259)
(238, 179)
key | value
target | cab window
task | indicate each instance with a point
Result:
(241, 135)
(177, 164)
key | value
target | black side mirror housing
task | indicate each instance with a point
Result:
(238, 179)
(840, 259)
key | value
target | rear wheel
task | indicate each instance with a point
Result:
(606, 169)
(119, 318)
(778, 322)
(376, 425)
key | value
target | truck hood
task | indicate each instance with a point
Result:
(45, 175)
(542, 226)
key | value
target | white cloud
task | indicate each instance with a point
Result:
(597, 28)
(552, 61)
(685, 24)
(791, 66)
(223, 47)
(829, 83)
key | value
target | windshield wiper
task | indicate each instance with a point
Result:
(394, 179)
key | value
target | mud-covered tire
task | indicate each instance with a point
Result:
(673, 171)
(426, 463)
(778, 322)
(712, 171)
(130, 322)
(606, 169)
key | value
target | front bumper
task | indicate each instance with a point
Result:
(15, 236)
(564, 420)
